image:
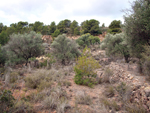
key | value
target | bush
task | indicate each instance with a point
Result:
(64, 49)
(87, 39)
(107, 74)
(116, 45)
(14, 77)
(6, 100)
(23, 107)
(83, 98)
(84, 69)
(56, 33)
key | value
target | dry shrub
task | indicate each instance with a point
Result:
(14, 77)
(42, 76)
(56, 100)
(83, 98)
(110, 104)
(107, 74)
(23, 107)
(135, 108)
(109, 92)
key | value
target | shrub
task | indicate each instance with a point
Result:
(87, 39)
(14, 77)
(83, 98)
(107, 74)
(56, 33)
(116, 45)
(6, 100)
(64, 49)
(36, 79)
(109, 92)
(124, 91)
(84, 69)
(23, 107)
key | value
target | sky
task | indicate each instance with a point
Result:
(46, 11)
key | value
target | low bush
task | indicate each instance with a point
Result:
(107, 74)
(109, 92)
(14, 77)
(87, 39)
(84, 69)
(83, 98)
(6, 101)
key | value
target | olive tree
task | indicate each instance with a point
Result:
(64, 48)
(22, 47)
(137, 26)
(116, 45)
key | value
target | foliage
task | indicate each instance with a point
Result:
(2, 56)
(64, 49)
(52, 28)
(56, 33)
(87, 39)
(115, 27)
(84, 69)
(3, 38)
(116, 45)
(21, 47)
(115, 24)
(6, 100)
(146, 60)
(91, 26)
(137, 26)
(74, 28)
(61, 27)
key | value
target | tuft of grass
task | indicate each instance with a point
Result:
(83, 98)
(107, 74)
(109, 92)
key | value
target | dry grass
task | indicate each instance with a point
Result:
(83, 98)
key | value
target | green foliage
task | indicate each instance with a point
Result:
(56, 33)
(91, 26)
(6, 100)
(115, 24)
(3, 56)
(87, 39)
(137, 26)
(84, 69)
(3, 38)
(21, 47)
(74, 28)
(114, 31)
(61, 27)
(64, 49)
(145, 62)
(116, 45)
(115, 27)
(52, 28)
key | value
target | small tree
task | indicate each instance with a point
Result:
(21, 47)
(64, 48)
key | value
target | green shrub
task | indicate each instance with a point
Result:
(64, 49)
(6, 100)
(14, 77)
(84, 69)
(87, 39)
